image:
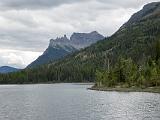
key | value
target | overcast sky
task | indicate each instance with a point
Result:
(27, 25)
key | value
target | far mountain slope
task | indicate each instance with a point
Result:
(7, 69)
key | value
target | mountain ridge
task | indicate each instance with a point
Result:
(78, 40)
(149, 10)
(63, 46)
(8, 69)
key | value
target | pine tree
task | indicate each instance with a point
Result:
(157, 48)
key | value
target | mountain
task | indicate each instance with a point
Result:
(60, 47)
(138, 40)
(135, 40)
(7, 69)
(78, 40)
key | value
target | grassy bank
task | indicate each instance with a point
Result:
(132, 89)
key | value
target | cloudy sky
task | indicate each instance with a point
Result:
(27, 25)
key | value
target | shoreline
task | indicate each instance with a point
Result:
(43, 83)
(133, 89)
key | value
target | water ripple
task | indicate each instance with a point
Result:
(75, 102)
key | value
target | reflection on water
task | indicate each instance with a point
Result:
(75, 102)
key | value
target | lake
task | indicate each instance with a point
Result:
(75, 102)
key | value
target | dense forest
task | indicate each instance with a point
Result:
(130, 57)
(126, 73)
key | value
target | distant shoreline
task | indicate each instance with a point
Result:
(133, 89)
(74, 83)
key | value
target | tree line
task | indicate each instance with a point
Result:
(126, 73)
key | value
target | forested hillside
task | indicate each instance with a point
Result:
(129, 57)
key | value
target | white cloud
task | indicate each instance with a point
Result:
(17, 58)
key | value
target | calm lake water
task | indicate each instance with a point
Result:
(75, 102)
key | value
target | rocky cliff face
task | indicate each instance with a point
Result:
(61, 41)
(82, 40)
(77, 40)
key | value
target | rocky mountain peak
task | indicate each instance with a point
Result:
(59, 41)
(81, 40)
(77, 40)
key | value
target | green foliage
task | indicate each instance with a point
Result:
(127, 74)
(157, 48)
